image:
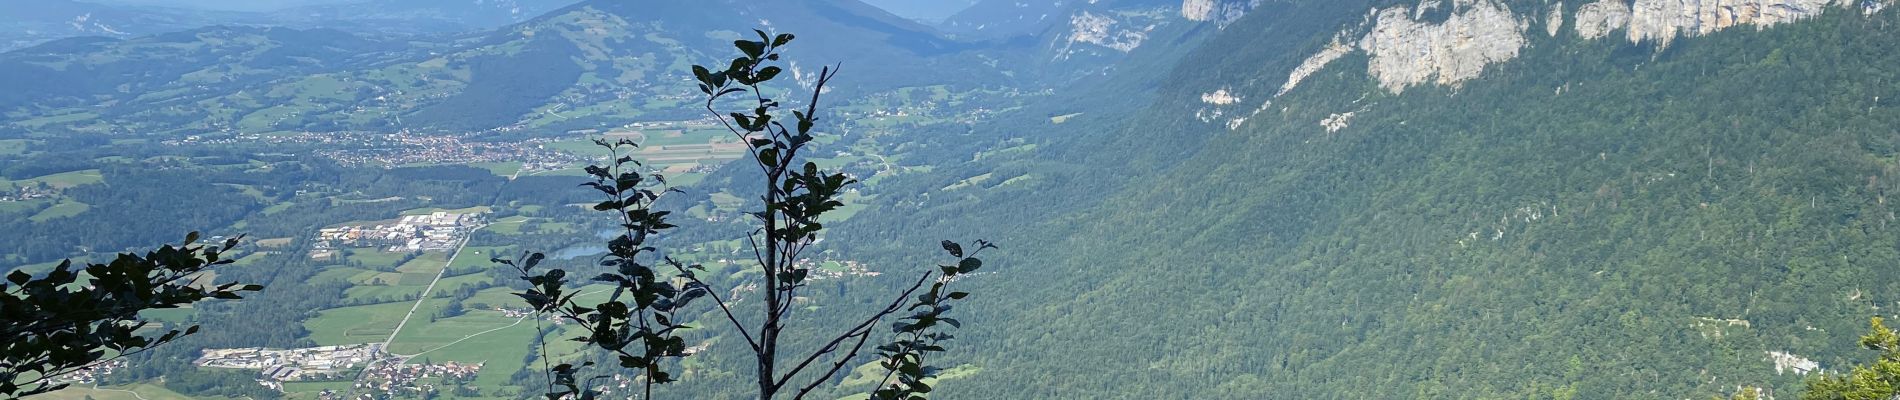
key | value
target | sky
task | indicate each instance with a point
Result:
(925, 10)
(225, 5)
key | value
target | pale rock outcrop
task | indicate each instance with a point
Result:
(1222, 12)
(1596, 20)
(1788, 362)
(1100, 30)
(1406, 52)
(1665, 20)
(1334, 123)
(1220, 98)
(1197, 10)
(1313, 64)
(1555, 22)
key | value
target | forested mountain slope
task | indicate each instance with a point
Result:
(1617, 211)
(576, 67)
(27, 23)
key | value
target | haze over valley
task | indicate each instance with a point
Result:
(1207, 199)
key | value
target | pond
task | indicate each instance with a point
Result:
(578, 251)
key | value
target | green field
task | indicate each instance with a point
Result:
(428, 210)
(336, 273)
(173, 315)
(507, 226)
(499, 168)
(477, 257)
(422, 335)
(14, 146)
(502, 351)
(277, 208)
(65, 208)
(145, 391)
(22, 206)
(427, 264)
(358, 324)
(373, 257)
(60, 180)
(249, 259)
(314, 387)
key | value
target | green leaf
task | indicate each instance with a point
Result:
(750, 48)
(956, 250)
(969, 265)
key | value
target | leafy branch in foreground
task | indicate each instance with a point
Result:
(643, 308)
(1879, 380)
(646, 316)
(72, 319)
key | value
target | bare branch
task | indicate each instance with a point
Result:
(855, 330)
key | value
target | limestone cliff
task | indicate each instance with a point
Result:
(1596, 20)
(1665, 20)
(1406, 52)
(1404, 48)
(1221, 12)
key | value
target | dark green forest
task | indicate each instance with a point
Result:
(1592, 219)
(1619, 224)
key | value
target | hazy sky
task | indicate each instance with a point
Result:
(228, 5)
(927, 10)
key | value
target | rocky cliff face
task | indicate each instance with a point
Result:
(1663, 21)
(1222, 12)
(1406, 52)
(1105, 31)
(1404, 48)
(1596, 20)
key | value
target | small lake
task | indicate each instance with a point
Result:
(578, 251)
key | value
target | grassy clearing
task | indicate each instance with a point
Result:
(477, 257)
(428, 264)
(384, 293)
(145, 391)
(314, 387)
(499, 168)
(173, 315)
(1063, 118)
(422, 335)
(65, 208)
(59, 119)
(15, 146)
(373, 257)
(452, 283)
(493, 297)
(60, 180)
(358, 324)
(507, 226)
(332, 274)
(249, 259)
(277, 208)
(248, 190)
(503, 352)
(8, 207)
(429, 210)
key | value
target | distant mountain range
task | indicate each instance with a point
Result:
(1216, 198)
(570, 67)
(30, 22)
